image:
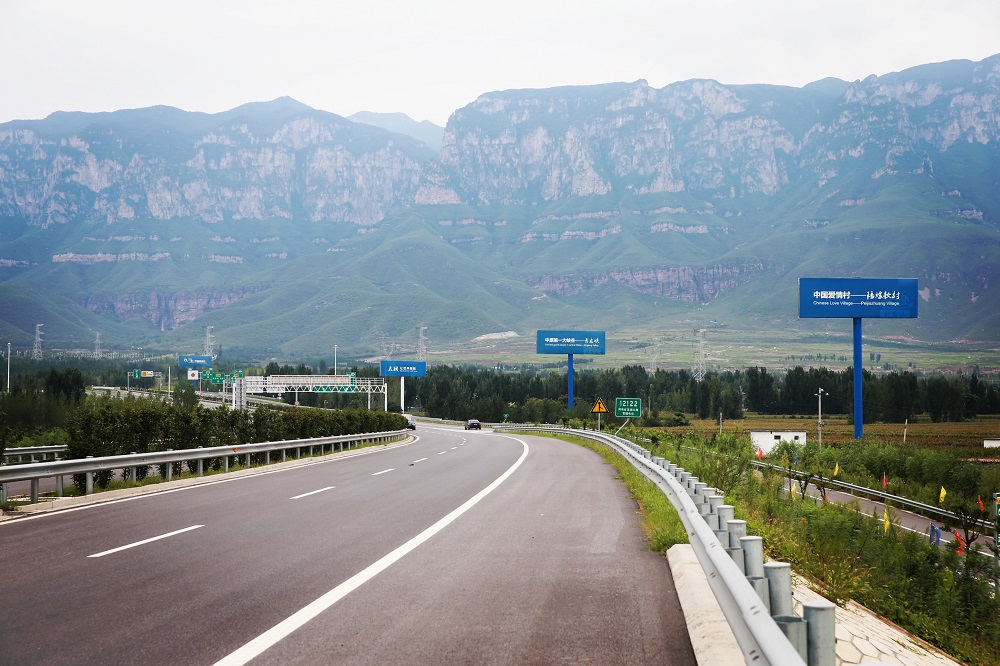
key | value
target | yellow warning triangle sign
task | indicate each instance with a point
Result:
(599, 408)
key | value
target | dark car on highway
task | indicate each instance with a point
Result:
(473, 424)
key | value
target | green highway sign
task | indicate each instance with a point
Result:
(628, 408)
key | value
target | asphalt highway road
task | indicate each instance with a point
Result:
(461, 547)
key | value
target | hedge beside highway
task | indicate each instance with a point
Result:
(104, 427)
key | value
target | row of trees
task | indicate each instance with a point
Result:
(465, 392)
(110, 427)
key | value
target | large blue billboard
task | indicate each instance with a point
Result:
(403, 369)
(570, 342)
(891, 298)
(194, 361)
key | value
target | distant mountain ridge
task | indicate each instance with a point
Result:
(617, 205)
(400, 123)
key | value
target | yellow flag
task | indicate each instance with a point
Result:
(943, 493)
(836, 469)
(885, 519)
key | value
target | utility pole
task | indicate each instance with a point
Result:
(209, 349)
(8, 367)
(36, 351)
(335, 359)
(819, 420)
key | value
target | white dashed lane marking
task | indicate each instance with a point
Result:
(145, 541)
(313, 492)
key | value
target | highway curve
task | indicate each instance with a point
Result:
(461, 547)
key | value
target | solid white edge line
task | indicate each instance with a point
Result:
(313, 492)
(281, 630)
(419, 460)
(383, 471)
(139, 543)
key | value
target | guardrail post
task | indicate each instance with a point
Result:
(34, 491)
(796, 631)
(225, 463)
(723, 515)
(59, 486)
(697, 493)
(131, 471)
(284, 454)
(201, 464)
(821, 628)
(170, 469)
(753, 562)
(714, 502)
(248, 461)
(737, 530)
(3, 492)
(779, 582)
(88, 488)
(267, 457)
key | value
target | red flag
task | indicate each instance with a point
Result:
(982, 507)
(961, 544)
(760, 453)
(885, 482)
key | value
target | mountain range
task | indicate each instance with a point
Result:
(620, 207)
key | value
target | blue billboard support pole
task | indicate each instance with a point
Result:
(570, 374)
(570, 343)
(855, 298)
(858, 365)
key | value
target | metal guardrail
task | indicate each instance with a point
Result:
(34, 472)
(749, 615)
(17, 454)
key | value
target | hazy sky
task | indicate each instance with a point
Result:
(428, 59)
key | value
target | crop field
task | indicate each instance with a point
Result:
(727, 347)
(963, 437)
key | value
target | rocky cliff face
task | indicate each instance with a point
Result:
(162, 165)
(667, 192)
(166, 311)
(515, 147)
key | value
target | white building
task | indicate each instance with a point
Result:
(766, 440)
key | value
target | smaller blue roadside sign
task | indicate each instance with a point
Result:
(194, 361)
(886, 298)
(570, 342)
(403, 369)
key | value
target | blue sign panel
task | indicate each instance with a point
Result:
(570, 342)
(888, 298)
(194, 361)
(404, 369)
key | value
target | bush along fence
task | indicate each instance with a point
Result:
(88, 472)
(942, 593)
(132, 436)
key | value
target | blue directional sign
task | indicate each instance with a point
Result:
(404, 369)
(194, 361)
(570, 342)
(894, 298)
